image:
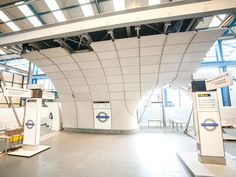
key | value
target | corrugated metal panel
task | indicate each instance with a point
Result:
(73, 13)
(95, 10)
(23, 24)
(4, 28)
(40, 6)
(49, 18)
(204, 23)
(106, 6)
(2, 2)
(130, 4)
(67, 3)
(13, 13)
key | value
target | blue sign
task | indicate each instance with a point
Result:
(102, 117)
(209, 124)
(29, 124)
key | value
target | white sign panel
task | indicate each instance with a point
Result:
(222, 80)
(102, 116)
(48, 95)
(36, 86)
(208, 125)
(17, 92)
(211, 139)
(32, 121)
(206, 102)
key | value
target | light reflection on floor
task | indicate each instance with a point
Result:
(151, 153)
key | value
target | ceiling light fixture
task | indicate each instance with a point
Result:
(9, 23)
(86, 8)
(28, 13)
(119, 5)
(58, 14)
(154, 2)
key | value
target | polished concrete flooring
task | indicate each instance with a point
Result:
(152, 152)
(146, 154)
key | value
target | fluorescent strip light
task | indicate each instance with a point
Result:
(154, 2)
(10, 24)
(59, 16)
(83, 1)
(13, 26)
(26, 10)
(119, 5)
(86, 8)
(35, 21)
(4, 17)
(52, 4)
(28, 13)
(2, 52)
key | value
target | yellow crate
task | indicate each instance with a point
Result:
(16, 138)
(21, 137)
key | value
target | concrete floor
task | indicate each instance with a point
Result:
(146, 154)
(44, 130)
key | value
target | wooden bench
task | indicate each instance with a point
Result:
(154, 120)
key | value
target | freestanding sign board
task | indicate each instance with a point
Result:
(208, 128)
(32, 121)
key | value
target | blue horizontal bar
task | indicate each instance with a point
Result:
(209, 124)
(104, 117)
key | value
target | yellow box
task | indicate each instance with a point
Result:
(14, 139)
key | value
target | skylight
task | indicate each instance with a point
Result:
(35, 21)
(119, 5)
(2, 52)
(86, 8)
(59, 16)
(3, 17)
(216, 21)
(10, 24)
(28, 13)
(153, 2)
(25, 10)
(13, 26)
(52, 4)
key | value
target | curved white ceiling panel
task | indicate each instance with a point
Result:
(122, 71)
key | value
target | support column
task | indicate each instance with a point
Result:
(225, 90)
(30, 73)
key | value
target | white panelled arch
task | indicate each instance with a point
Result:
(121, 71)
